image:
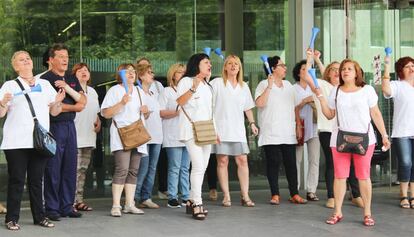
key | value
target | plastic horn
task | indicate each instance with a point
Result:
(312, 72)
(219, 53)
(37, 88)
(122, 74)
(207, 50)
(315, 31)
(266, 63)
(388, 51)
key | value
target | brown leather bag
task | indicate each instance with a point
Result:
(135, 134)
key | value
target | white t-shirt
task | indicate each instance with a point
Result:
(153, 122)
(170, 127)
(353, 111)
(402, 93)
(229, 106)
(84, 120)
(277, 119)
(324, 124)
(306, 113)
(18, 127)
(127, 115)
(198, 107)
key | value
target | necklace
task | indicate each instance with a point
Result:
(30, 81)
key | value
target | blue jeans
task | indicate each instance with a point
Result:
(178, 172)
(404, 147)
(146, 173)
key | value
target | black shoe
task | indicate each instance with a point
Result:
(173, 203)
(73, 214)
(54, 217)
(184, 203)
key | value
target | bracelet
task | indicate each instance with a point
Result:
(250, 123)
(385, 78)
(192, 90)
(268, 88)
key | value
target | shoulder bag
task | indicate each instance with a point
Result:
(350, 142)
(43, 141)
(135, 134)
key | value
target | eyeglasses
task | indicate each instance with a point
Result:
(334, 69)
(130, 71)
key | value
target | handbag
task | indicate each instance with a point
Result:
(43, 141)
(350, 142)
(135, 134)
(204, 131)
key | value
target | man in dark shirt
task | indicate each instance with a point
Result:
(60, 175)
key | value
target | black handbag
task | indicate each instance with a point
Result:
(350, 142)
(43, 141)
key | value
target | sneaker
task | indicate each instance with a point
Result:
(116, 211)
(173, 203)
(133, 210)
(184, 203)
(162, 195)
(149, 204)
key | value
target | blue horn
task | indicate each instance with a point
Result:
(315, 31)
(312, 72)
(122, 74)
(207, 50)
(266, 63)
(37, 88)
(219, 53)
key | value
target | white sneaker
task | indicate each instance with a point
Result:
(162, 195)
(116, 211)
(133, 210)
(149, 204)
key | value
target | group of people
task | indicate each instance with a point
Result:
(288, 116)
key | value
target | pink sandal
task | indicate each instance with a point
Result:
(334, 219)
(369, 221)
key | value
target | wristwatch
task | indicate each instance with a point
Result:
(192, 90)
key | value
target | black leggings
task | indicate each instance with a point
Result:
(275, 154)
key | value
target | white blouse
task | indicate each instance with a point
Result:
(18, 127)
(85, 120)
(229, 106)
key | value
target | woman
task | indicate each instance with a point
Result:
(330, 79)
(195, 97)
(178, 159)
(148, 166)
(402, 92)
(87, 125)
(354, 103)
(232, 100)
(279, 129)
(17, 141)
(308, 116)
(124, 108)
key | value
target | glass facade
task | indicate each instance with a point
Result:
(105, 33)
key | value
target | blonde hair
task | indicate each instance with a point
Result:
(328, 69)
(13, 58)
(142, 69)
(171, 72)
(239, 74)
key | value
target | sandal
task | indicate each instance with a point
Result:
(369, 221)
(81, 206)
(226, 202)
(199, 215)
(312, 197)
(411, 202)
(275, 200)
(403, 204)
(332, 220)
(296, 199)
(116, 211)
(12, 225)
(46, 223)
(247, 202)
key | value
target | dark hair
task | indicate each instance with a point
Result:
(400, 64)
(78, 66)
(296, 69)
(194, 63)
(57, 47)
(45, 58)
(359, 80)
(272, 63)
(120, 67)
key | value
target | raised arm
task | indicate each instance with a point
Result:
(261, 101)
(111, 111)
(386, 88)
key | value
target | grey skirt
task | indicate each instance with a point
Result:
(230, 148)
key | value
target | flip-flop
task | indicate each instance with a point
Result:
(83, 207)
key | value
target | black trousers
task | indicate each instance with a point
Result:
(20, 161)
(162, 169)
(325, 138)
(212, 172)
(275, 154)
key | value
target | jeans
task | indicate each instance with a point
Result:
(178, 172)
(404, 147)
(146, 173)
